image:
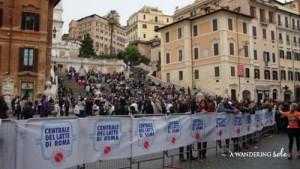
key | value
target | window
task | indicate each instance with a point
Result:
(254, 32)
(296, 56)
(255, 54)
(145, 26)
(281, 54)
(168, 77)
(1, 13)
(180, 58)
(28, 59)
(196, 53)
(179, 33)
(155, 28)
(293, 24)
(252, 11)
(291, 77)
(180, 75)
(232, 70)
(244, 27)
(144, 16)
(267, 75)
(247, 70)
(217, 71)
(167, 20)
(273, 36)
(295, 41)
(297, 76)
(288, 40)
(54, 33)
(262, 15)
(193, 13)
(30, 21)
(230, 25)
(195, 30)
(27, 89)
(167, 58)
(246, 53)
(271, 17)
(283, 77)
(266, 57)
(264, 31)
(289, 55)
(256, 74)
(286, 22)
(280, 38)
(273, 57)
(156, 19)
(275, 75)
(196, 74)
(215, 25)
(205, 52)
(279, 20)
(167, 37)
(231, 48)
(216, 49)
(144, 36)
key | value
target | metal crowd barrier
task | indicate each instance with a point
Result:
(8, 142)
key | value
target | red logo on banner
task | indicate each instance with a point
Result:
(173, 140)
(197, 136)
(241, 70)
(59, 157)
(238, 131)
(106, 150)
(146, 144)
(220, 133)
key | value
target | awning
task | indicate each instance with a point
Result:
(263, 87)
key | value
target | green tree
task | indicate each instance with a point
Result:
(132, 53)
(87, 47)
(113, 18)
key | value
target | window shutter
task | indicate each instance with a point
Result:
(1, 16)
(21, 59)
(35, 60)
(23, 24)
(0, 56)
(37, 23)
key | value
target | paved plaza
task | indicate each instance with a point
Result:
(273, 143)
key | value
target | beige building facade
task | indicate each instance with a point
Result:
(263, 49)
(210, 53)
(288, 32)
(142, 24)
(99, 30)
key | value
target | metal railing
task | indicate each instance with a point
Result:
(8, 156)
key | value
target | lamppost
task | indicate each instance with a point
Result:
(286, 94)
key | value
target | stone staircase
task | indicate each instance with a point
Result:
(72, 84)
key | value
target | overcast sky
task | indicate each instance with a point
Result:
(76, 9)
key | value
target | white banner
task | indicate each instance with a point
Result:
(62, 143)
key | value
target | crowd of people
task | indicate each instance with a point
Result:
(114, 94)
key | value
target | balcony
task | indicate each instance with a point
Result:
(264, 20)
